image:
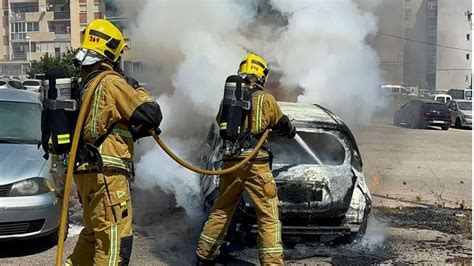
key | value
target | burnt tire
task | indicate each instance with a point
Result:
(457, 124)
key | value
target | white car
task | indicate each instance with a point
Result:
(33, 85)
(321, 185)
(443, 98)
(11, 84)
(461, 113)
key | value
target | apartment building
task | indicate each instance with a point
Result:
(32, 28)
(440, 59)
(396, 18)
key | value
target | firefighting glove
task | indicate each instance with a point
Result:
(132, 82)
(145, 119)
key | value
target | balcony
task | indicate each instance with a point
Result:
(18, 36)
(15, 16)
(62, 15)
(62, 36)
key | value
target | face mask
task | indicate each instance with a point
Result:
(85, 57)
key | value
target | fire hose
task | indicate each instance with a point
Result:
(72, 159)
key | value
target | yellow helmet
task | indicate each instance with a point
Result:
(254, 65)
(102, 37)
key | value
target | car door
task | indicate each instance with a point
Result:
(401, 113)
(408, 112)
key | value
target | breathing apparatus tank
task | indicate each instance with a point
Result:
(236, 106)
(60, 110)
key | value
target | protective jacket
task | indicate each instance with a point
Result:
(118, 115)
(265, 113)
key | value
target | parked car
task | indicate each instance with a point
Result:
(461, 113)
(443, 98)
(14, 84)
(422, 113)
(29, 204)
(4, 84)
(320, 194)
(33, 85)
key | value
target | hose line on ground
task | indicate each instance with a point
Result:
(72, 158)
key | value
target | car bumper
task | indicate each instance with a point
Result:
(28, 217)
(467, 122)
(437, 122)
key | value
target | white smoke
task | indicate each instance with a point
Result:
(323, 51)
(192, 46)
(375, 234)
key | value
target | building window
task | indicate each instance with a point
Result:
(83, 17)
(467, 56)
(32, 26)
(96, 7)
(97, 15)
(407, 14)
(468, 36)
(83, 8)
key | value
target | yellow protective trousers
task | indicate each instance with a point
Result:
(107, 212)
(257, 181)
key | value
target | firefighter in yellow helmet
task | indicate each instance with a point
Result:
(118, 115)
(255, 178)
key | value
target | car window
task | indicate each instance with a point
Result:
(440, 99)
(20, 121)
(31, 83)
(465, 106)
(435, 106)
(2, 83)
(326, 147)
(452, 105)
(16, 84)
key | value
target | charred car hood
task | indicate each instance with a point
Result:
(315, 188)
(19, 162)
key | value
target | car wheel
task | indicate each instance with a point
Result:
(445, 127)
(458, 123)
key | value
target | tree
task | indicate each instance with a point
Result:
(48, 62)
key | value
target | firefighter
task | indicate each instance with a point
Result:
(118, 115)
(255, 178)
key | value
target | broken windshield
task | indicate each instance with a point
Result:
(326, 148)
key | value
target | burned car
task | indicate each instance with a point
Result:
(320, 184)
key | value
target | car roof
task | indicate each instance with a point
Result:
(39, 80)
(303, 112)
(442, 95)
(15, 95)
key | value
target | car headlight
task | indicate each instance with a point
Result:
(468, 116)
(30, 187)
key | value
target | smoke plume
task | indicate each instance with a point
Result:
(317, 51)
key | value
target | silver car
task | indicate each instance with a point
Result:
(461, 113)
(29, 204)
(321, 186)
